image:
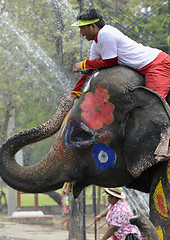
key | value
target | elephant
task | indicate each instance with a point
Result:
(115, 135)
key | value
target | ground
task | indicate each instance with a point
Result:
(16, 231)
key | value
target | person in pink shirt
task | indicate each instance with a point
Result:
(117, 216)
(65, 205)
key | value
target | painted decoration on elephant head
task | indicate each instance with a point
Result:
(63, 126)
(97, 111)
(103, 156)
(79, 141)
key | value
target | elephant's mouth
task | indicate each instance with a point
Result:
(78, 135)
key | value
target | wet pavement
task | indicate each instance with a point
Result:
(19, 231)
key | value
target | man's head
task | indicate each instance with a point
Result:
(92, 14)
(90, 22)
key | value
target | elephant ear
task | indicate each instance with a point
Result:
(147, 130)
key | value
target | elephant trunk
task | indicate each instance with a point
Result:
(40, 177)
(145, 226)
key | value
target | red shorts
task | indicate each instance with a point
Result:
(157, 74)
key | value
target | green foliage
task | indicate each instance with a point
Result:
(139, 19)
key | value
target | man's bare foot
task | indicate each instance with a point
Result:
(162, 158)
(166, 158)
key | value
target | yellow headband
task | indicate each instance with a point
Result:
(80, 23)
(106, 194)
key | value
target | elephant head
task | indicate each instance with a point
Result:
(113, 136)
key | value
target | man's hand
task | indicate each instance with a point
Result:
(76, 67)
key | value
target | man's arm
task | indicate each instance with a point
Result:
(99, 63)
(78, 87)
(95, 64)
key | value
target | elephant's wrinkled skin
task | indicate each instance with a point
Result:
(109, 139)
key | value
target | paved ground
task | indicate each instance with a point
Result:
(18, 231)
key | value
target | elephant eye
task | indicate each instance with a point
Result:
(79, 135)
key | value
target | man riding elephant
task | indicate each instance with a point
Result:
(111, 47)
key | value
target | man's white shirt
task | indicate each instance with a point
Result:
(113, 43)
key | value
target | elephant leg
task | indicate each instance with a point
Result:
(160, 200)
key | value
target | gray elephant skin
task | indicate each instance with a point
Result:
(114, 135)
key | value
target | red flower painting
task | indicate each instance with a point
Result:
(97, 110)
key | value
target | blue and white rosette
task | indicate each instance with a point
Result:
(103, 156)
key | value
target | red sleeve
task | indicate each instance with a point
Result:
(78, 88)
(100, 63)
(92, 64)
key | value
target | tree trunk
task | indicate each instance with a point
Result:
(9, 122)
(60, 29)
(10, 126)
(98, 200)
(76, 218)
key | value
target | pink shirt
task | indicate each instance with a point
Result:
(64, 202)
(118, 215)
